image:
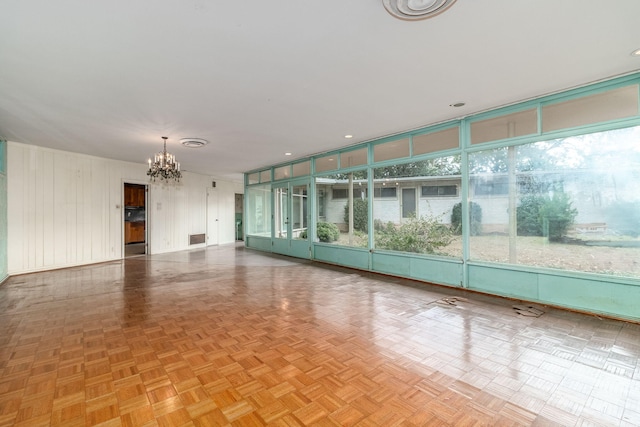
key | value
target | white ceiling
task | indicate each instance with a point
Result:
(260, 78)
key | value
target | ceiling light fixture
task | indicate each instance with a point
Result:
(635, 52)
(457, 104)
(164, 166)
(287, 154)
(348, 136)
(194, 142)
(413, 10)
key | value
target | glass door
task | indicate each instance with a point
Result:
(291, 218)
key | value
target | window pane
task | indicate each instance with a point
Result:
(386, 192)
(503, 127)
(326, 163)
(611, 105)
(412, 221)
(353, 158)
(265, 176)
(282, 172)
(439, 190)
(334, 206)
(302, 169)
(299, 209)
(254, 178)
(576, 204)
(436, 141)
(391, 150)
(258, 214)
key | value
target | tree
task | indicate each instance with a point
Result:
(360, 215)
(546, 215)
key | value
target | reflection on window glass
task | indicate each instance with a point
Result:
(391, 150)
(301, 169)
(353, 158)
(610, 105)
(436, 141)
(576, 204)
(410, 210)
(253, 178)
(326, 163)
(265, 176)
(342, 209)
(258, 215)
(282, 172)
(507, 126)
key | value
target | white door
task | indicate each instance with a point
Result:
(212, 216)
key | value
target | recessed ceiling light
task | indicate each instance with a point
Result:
(194, 142)
(457, 104)
(635, 52)
(348, 136)
(287, 154)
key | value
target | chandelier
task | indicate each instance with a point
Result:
(164, 166)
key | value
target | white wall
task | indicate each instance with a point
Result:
(65, 209)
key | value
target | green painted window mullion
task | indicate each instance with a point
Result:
(465, 142)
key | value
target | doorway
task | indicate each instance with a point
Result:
(291, 218)
(135, 219)
(212, 217)
(239, 210)
(408, 202)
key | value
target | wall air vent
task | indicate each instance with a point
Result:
(196, 239)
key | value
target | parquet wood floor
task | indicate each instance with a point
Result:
(231, 337)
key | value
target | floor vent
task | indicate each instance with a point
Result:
(528, 310)
(196, 239)
(451, 301)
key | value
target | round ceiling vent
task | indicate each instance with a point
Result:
(413, 10)
(193, 142)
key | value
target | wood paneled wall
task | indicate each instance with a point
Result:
(66, 209)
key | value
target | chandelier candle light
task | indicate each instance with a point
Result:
(164, 166)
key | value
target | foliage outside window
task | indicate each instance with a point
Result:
(259, 206)
(570, 203)
(334, 206)
(418, 224)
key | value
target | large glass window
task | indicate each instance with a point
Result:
(410, 211)
(570, 203)
(259, 210)
(342, 209)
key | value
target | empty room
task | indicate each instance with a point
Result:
(381, 213)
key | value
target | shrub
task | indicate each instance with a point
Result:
(360, 215)
(419, 235)
(327, 232)
(541, 214)
(475, 222)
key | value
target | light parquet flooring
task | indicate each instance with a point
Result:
(232, 337)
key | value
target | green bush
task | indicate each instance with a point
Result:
(544, 215)
(327, 232)
(476, 219)
(360, 215)
(419, 235)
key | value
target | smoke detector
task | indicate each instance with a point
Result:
(194, 142)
